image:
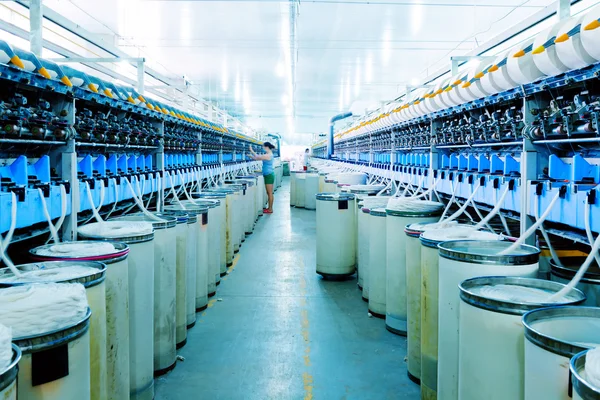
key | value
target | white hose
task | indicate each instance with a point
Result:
(546, 237)
(51, 226)
(592, 367)
(116, 198)
(173, 191)
(91, 201)
(588, 229)
(494, 211)
(462, 209)
(187, 195)
(4, 243)
(450, 202)
(533, 227)
(582, 270)
(474, 205)
(63, 207)
(140, 204)
(429, 191)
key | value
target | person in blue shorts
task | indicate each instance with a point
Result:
(268, 172)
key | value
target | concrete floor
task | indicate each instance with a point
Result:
(276, 330)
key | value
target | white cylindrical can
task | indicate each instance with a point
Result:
(92, 276)
(165, 281)
(322, 176)
(552, 336)
(182, 261)
(403, 292)
(249, 211)
(140, 238)
(115, 347)
(195, 260)
(336, 247)
(8, 376)
(213, 238)
(583, 388)
(300, 190)
(238, 228)
(222, 227)
(403, 275)
(311, 188)
(460, 260)
(490, 349)
(362, 254)
(377, 262)
(330, 186)
(228, 228)
(55, 365)
(590, 282)
(293, 188)
(430, 236)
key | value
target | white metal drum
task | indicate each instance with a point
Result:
(362, 254)
(429, 260)
(8, 376)
(377, 262)
(193, 251)
(590, 282)
(213, 246)
(182, 260)
(311, 188)
(583, 388)
(140, 238)
(403, 278)
(491, 359)
(293, 188)
(300, 190)
(321, 182)
(397, 297)
(336, 247)
(117, 307)
(51, 377)
(94, 282)
(165, 282)
(460, 260)
(330, 186)
(221, 226)
(552, 337)
(228, 228)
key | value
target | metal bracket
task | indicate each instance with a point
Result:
(457, 61)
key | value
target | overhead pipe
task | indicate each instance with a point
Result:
(334, 119)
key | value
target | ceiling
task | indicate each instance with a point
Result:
(287, 67)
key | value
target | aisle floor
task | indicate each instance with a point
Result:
(276, 330)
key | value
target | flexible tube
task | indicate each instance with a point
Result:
(116, 198)
(462, 209)
(173, 191)
(91, 201)
(51, 226)
(4, 243)
(140, 204)
(6, 353)
(429, 191)
(63, 207)
(450, 202)
(582, 270)
(474, 205)
(546, 237)
(533, 227)
(588, 229)
(187, 195)
(494, 211)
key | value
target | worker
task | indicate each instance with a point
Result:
(268, 172)
(305, 159)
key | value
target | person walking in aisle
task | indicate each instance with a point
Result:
(268, 171)
(305, 159)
